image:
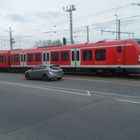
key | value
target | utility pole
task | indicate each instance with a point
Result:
(118, 28)
(87, 27)
(11, 39)
(70, 9)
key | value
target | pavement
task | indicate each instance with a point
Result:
(74, 108)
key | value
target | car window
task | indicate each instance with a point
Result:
(55, 67)
(35, 68)
(43, 67)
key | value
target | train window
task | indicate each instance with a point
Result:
(55, 56)
(44, 57)
(100, 54)
(48, 56)
(1, 59)
(137, 40)
(21, 58)
(37, 57)
(11, 58)
(4, 59)
(30, 57)
(87, 55)
(16, 58)
(24, 58)
(77, 55)
(73, 58)
(64, 56)
(119, 49)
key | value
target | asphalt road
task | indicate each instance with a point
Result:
(75, 108)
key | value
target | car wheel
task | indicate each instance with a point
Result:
(59, 78)
(27, 76)
(45, 77)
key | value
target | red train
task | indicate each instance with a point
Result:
(110, 57)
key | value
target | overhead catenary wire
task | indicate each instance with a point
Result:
(39, 31)
(111, 22)
(77, 18)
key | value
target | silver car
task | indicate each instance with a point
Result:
(44, 72)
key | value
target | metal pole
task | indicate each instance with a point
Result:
(70, 9)
(87, 34)
(116, 27)
(10, 38)
(71, 28)
(119, 30)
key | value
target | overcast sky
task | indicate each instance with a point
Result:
(31, 18)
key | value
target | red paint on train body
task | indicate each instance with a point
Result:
(115, 55)
(4, 59)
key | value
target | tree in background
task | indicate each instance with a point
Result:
(47, 43)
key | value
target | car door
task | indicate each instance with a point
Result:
(41, 70)
(35, 72)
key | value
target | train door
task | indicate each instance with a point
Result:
(77, 54)
(46, 57)
(23, 59)
(73, 56)
(120, 55)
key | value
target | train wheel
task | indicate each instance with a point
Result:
(124, 73)
(118, 71)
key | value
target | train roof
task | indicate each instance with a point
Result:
(99, 43)
(4, 51)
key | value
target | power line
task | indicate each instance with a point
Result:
(104, 11)
(100, 23)
(64, 21)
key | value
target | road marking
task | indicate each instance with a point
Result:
(88, 92)
(114, 94)
(135, 83)
(68, 90)
(128, 101)
(48, 88)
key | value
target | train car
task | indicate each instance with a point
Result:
(4, 60)
(117, 56)
(21, 60)
(110, 57)
(121, 56)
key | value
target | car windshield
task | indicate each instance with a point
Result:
(55, 67)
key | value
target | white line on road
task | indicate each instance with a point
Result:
(114, 94)
(128, 101)
(47, 88)
(69, 90)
